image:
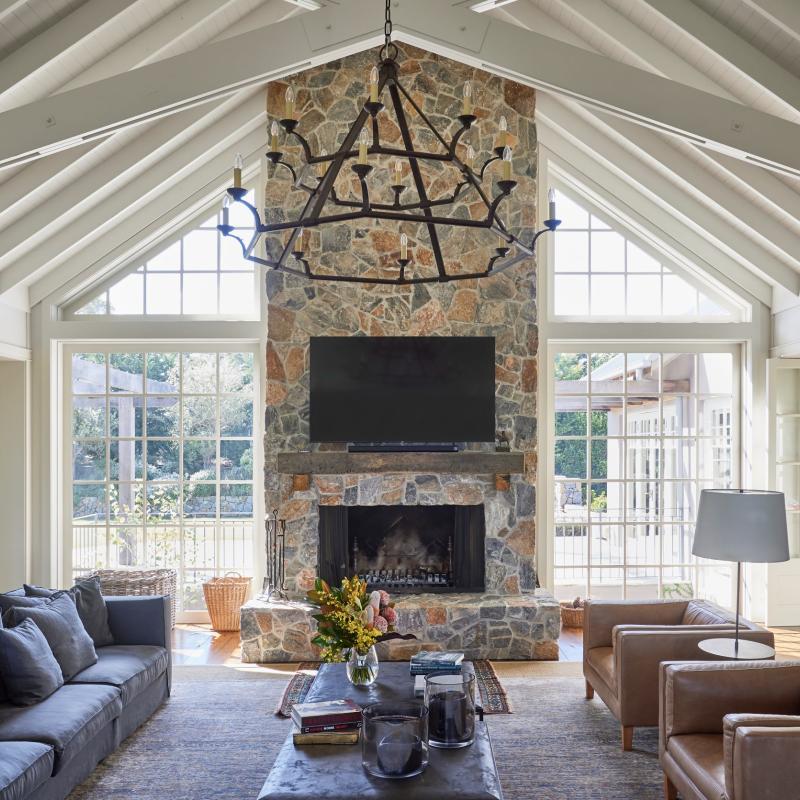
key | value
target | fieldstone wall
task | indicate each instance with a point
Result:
(503, 306)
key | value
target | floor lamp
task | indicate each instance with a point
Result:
(740, 525)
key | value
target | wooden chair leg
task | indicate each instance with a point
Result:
(589, 691)
(670, 790)
(627, 738)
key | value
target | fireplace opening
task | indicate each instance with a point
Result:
(404, 548)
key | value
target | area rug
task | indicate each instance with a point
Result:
(217, 737)
(493, 696)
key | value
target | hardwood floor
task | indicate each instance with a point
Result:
(199, 645)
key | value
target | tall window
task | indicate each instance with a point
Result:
(599, 273)
(162, 463)
(201, 274)
(637, 436)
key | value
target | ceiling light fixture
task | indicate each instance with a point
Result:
(410, 205)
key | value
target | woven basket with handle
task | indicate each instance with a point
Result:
(138, 582)
(224, 599)
(571, 617)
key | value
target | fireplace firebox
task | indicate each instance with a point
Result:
(404, 549)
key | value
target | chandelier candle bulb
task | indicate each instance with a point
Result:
(321, 168)
(363, 142)
(398, 173)
(226, 202)
(551, 204)
(403, 246)
(507, 164)
(288, 109)
(502, 139)
(373, 85)
(273, 137)
(238, 164)
(298, 242)
(467, 106)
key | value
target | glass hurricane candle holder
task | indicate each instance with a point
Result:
(394, 739)
(451, 709)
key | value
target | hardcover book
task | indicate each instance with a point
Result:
(345, 737)
(326, 712)
(437, 660)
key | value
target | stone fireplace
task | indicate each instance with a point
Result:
(495, 609)
(404, 549)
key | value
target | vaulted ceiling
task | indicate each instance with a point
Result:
(118, 117)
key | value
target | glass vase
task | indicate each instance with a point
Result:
(394, 740)
(362, 670)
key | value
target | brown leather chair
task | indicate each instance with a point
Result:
(624, 642)
(730, 730)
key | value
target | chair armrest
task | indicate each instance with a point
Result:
(142, 620)
(600, 617)
(638, 652)
(761, 756)
(695, 697)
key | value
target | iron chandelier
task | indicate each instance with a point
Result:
(317, 178)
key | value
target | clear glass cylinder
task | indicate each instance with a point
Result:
(450, 700)
(362, 670)
(394, 739)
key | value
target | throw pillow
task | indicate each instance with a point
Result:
(30, 671)
(58, 620)
(8, 601)
(91, 607)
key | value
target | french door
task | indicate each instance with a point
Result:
(633, 439)
(160, 453)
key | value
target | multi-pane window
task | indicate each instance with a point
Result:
(161, 468)
(599, 273)
(636, 437)
(201, 274)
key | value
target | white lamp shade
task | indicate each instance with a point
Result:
(741, 526)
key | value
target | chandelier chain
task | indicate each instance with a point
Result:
(387, 25)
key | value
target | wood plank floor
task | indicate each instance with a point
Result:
(199, 645)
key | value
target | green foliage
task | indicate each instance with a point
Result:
(681, 590)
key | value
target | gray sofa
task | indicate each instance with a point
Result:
(49, 748)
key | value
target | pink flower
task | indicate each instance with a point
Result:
(375, 600)
(381, 624)
(390, 615)
(385, 599)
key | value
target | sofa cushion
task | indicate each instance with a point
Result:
(698, 613)
(90, 604)
(131, 668)
(29, 670)
(66, 720)
(700, 756)
(24, 767)
(58, 620)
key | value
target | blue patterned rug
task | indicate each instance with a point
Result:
(218, 735)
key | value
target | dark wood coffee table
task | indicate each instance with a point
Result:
(334, 772)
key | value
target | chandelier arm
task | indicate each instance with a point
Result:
(402, 122)
(374, 213)
(303, 143)
(486, 164)
(240, 199)
(454, 141)
(288, 166)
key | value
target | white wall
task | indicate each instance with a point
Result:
(14, 464)
(785, 324)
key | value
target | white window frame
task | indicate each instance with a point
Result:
(554, 348)
(68, 350)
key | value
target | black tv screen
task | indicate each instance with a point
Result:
(421, 389)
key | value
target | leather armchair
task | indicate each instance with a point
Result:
(730, 730)
(625, 642)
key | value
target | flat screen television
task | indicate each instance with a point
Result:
(420, 389)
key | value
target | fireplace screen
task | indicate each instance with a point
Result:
(404, 548)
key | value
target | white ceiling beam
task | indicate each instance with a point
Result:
(86, 20)
(144, 189)
(751, 63)
(783, 13)
(771, 234)
(8, 7)
(508, 50)
(96, 184)
(728, 238)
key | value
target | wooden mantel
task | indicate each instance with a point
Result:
(338, 463)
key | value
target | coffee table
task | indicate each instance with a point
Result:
(334, 772)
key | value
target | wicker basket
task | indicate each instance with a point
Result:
(571, 617)
(139, 582)
(224, 600)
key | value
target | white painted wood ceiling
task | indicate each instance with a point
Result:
(80, 210)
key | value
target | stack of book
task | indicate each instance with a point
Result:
(327, 722)
(431, 662)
